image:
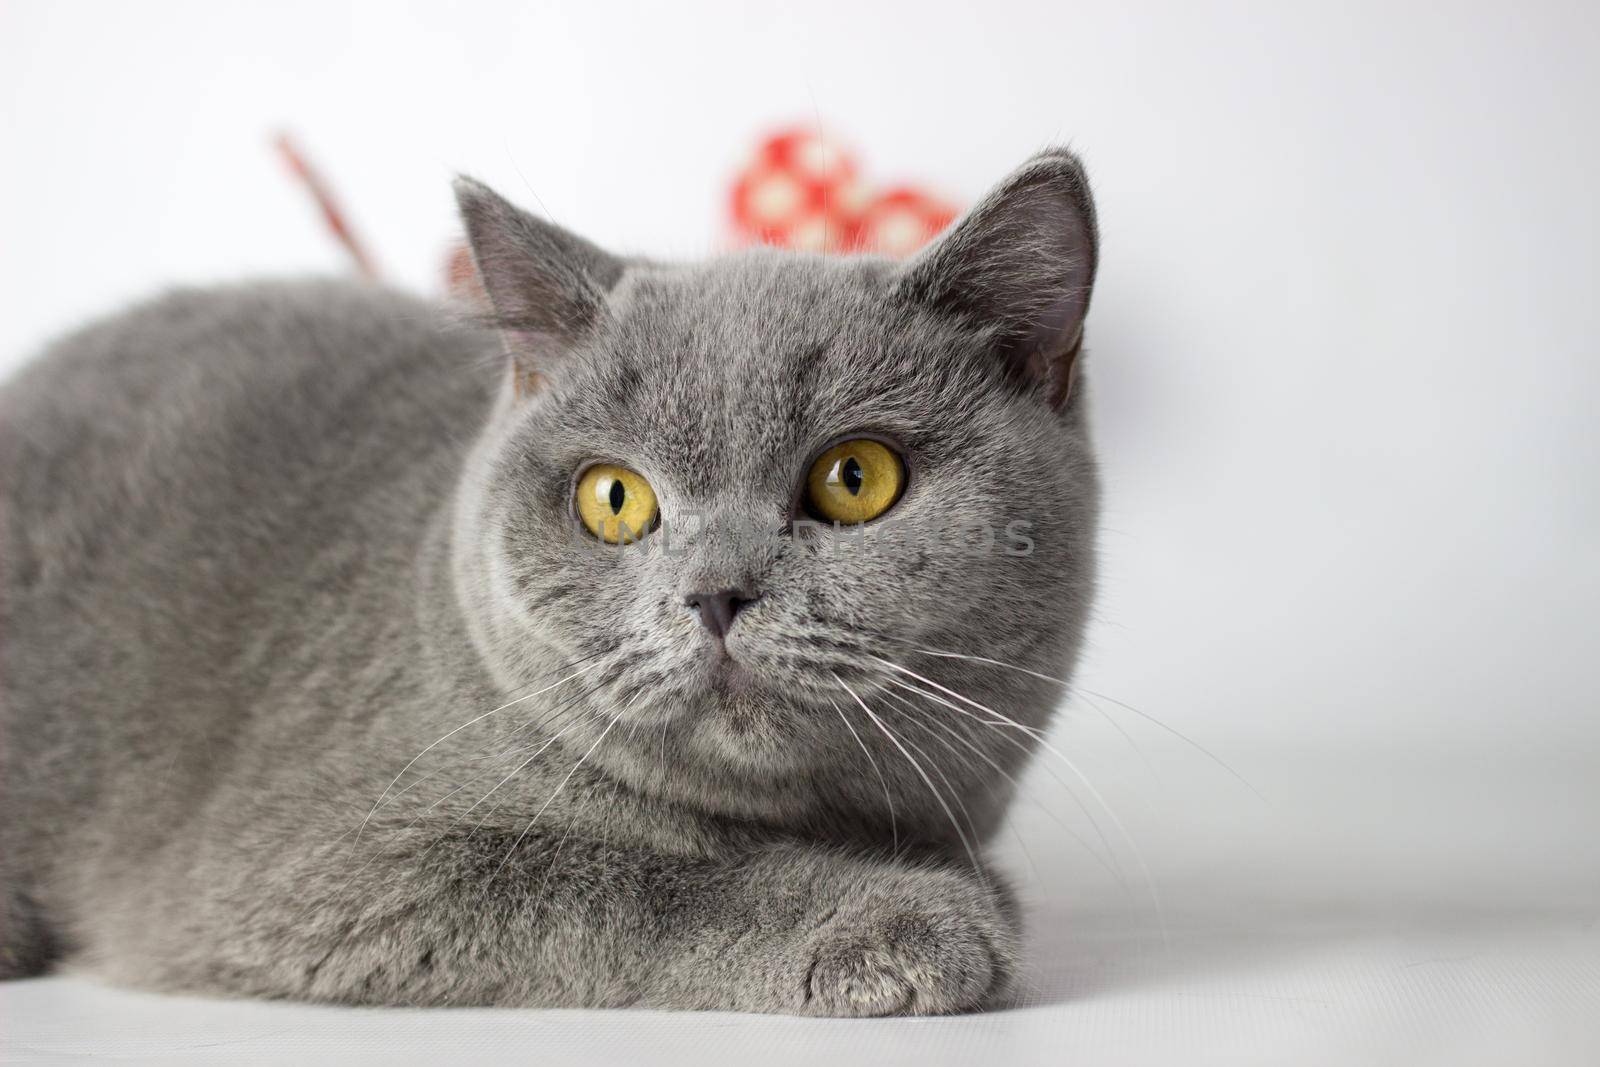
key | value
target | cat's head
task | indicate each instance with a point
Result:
(832, 477)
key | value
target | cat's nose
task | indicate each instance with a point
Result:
(717, 610)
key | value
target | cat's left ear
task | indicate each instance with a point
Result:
(547, 286)
(1020, 266)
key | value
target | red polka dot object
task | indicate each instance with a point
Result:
(800, 192)
(804, 192)
(901, 221)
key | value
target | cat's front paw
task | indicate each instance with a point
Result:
(924, 944)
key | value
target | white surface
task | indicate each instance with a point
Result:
(1225, 995)
(1292, 936)
(1345, 365)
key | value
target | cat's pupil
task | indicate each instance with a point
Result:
(616, 497)
(850, 475)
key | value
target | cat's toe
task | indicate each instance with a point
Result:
(933, 955)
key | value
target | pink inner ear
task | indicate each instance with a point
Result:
(461, 279)
(1061, 374)
(1022, 261)
(526, 384)
(1055, 340)
(525, 349)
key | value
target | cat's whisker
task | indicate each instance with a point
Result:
(586, 719)
(470, 722)
(955, 794)
(537, 720)
(928, 722)
(428, 810)
(1136, 748)
(1044, 743)
(557, 791)
(425, 812)
(1185, 738)
(616, 787)
(666, 721)
(1110, 854)
(537, 752)
(966, 844)
(431, 807)
(480, 756)
(402, 791)
(518, 747)
(964, 760)
(888, 798)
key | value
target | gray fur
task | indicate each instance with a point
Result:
(264, 545)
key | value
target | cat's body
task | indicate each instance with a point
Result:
(264, 546)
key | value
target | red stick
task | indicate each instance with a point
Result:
(331, 214)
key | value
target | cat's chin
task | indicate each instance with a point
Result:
(731, 712)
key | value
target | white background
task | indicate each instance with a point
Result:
(1343, 352)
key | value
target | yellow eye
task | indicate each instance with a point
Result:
(855, 481)
(616, 504)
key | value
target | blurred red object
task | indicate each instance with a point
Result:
(333, 215)
(803, 191)
(461, 277)
(800, 191)
(901, 221)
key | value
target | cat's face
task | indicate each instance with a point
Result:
(719, 387)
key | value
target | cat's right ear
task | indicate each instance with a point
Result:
(1020, 266)
(547, 287)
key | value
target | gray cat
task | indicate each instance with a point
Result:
(355, 652)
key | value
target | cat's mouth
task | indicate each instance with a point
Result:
(727, 676)
(780, 672)
(777, 680)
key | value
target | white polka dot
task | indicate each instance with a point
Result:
(899, 232)
(815, 234)
(817, 157)
(850, 199)
(774, 199)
